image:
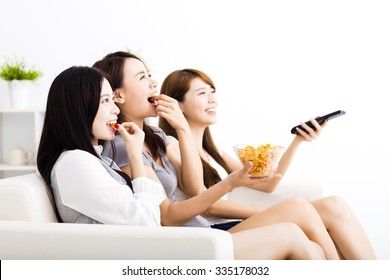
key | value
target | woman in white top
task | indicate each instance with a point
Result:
(195, 93)
(89, 188)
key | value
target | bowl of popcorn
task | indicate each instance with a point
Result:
(265, 158)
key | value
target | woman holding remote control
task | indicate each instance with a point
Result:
(177, 163)
(195, 93)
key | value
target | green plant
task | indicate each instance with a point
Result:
(15, 69)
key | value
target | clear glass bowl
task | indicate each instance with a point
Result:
(265, 158)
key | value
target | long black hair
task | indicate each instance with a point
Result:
(113, 64)
(72, 104)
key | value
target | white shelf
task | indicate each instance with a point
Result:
(16, 110)
(9, 167)
(19, 127)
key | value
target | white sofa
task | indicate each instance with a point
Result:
(29, 229)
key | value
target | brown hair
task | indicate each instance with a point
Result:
(113, 64)
(176, 85)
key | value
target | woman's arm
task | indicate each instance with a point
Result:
(190, 175)
(289, 154)
(229, 209)
(149, 172)
(181, 152)
(133, 138)
(181, 212)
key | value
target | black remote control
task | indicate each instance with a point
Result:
(320, 120)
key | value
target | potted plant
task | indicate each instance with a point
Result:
(19, 79)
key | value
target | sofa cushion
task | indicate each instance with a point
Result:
(20, 240)
(25, 198)
(282, 192)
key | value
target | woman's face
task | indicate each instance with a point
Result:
(107, 113)
(200, 104)
(137, 87)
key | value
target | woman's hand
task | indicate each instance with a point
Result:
(169, 109)
(311, 134)
(242, 178)
(133, 136)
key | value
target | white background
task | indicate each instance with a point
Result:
(274, 63)
(102, 270)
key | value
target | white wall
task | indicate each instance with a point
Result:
(275, 63)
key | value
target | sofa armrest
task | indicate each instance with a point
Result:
(283, 191)
(32, 240)
(25, 198)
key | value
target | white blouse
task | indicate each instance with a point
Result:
(82, 182)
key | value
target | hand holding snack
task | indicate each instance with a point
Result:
(169, 109)
(133, 137)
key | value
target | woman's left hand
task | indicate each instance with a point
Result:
(169, 109)
(311, 134)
